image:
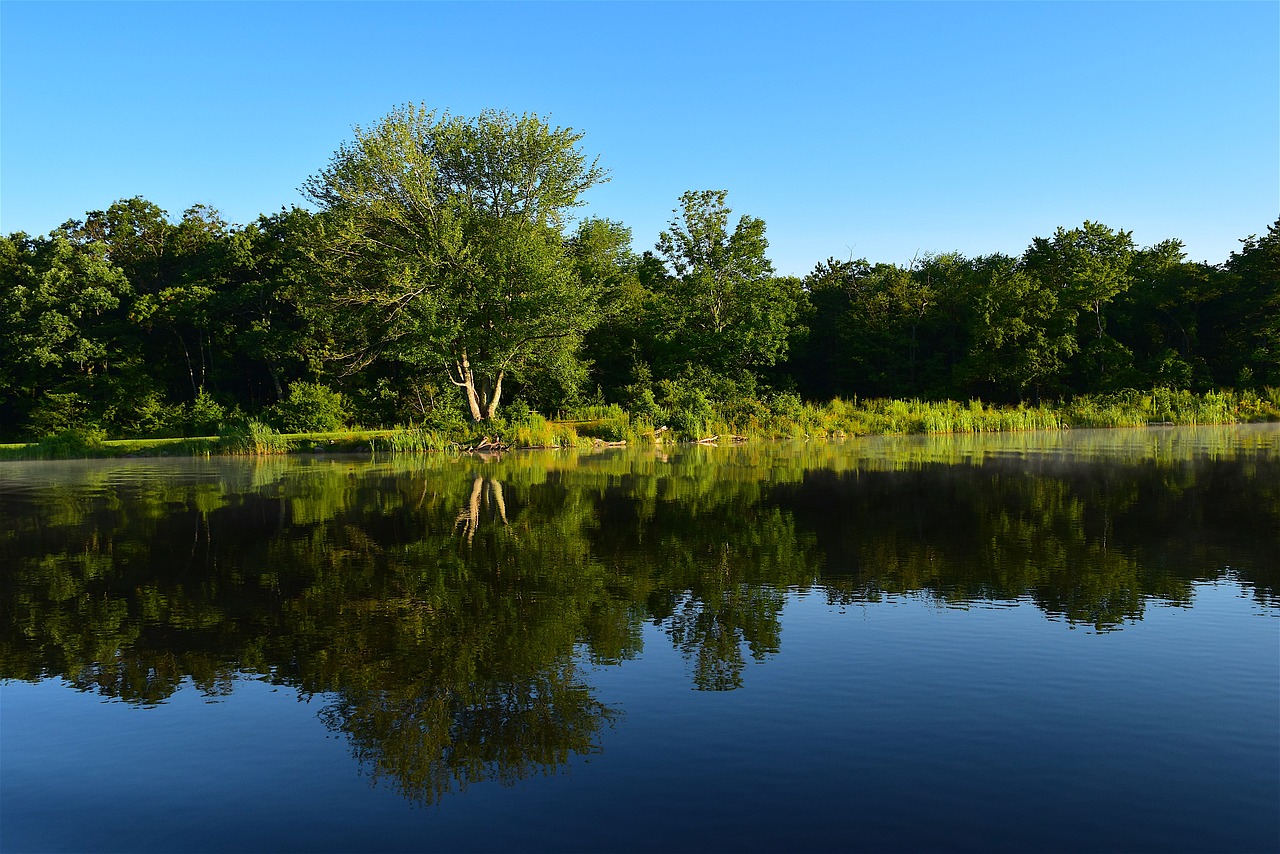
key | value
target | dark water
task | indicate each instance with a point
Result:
(1038, 642)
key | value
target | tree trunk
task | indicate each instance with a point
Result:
(490, 393)
(483, 392)
(275, 379)
(191, 372)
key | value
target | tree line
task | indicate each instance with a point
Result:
(442, 276)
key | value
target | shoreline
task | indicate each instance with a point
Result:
(80, 445)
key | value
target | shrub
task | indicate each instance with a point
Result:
(71, 443)
(310, 408)
(142, 412)
(58, 412)
(204, 415)
(643, 406)
(688, 408)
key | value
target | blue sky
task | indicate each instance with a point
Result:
(877, 130)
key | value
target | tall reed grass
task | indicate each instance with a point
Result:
(413, 440)
(1171, 406)
(535, 431)
(695, 418)
(786, 416)
(251, 437)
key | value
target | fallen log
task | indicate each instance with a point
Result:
(486, 446)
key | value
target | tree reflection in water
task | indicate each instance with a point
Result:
(442, 608)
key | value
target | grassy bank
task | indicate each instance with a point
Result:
(89, 444)
(783, 416)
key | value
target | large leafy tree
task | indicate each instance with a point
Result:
(1018, 342)
(886, 330)
(1253, 339)
(1088, 268)
(179, 273)
(59, 312)
(720, 305)
(271, 331)
(819, 359)
(443, 246)
(1167, 319)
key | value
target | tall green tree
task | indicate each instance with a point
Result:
(1088, 267)
(271, 330)
(181, 277)
(1253, 337)
(720, 304)
(898, 334)
(1166, 319)
(602, 256)
(443, 241)
(1018, 341)
(60, 313)
(818, 358)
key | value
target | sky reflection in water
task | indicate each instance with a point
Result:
(1038, 641)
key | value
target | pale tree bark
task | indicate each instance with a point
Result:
(483, 391)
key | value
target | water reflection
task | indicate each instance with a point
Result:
(443, 608)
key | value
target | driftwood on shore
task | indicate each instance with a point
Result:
(486, 446)
(715, 440)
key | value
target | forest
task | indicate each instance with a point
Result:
(438, 278)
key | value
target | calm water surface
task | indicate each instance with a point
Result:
(1032, 642)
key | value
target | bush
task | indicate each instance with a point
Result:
(58, 412)
(204, 415)
(310, 408)
(71, 443)
(517, 411)
(689, 410)
(142, 412)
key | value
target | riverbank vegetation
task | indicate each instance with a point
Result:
(604, 426)
(440, 288)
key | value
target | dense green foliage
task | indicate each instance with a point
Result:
(441, 276)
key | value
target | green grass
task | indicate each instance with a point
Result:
(246, 442)
(783, 417)
(1169, 406)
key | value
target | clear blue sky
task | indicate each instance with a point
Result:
(877, 130)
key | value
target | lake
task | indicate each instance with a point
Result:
(1043, 641)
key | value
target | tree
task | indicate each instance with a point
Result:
(819, 359)
(1017, 342)
(443, 245)
(720, 304)
(180, 276)
(600, 252)
(890, 331)
(59, 312)
(1165, 319)
(1088, 267)
(1254, 339)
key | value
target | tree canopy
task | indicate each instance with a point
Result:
(446, 271)
(442, 237)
